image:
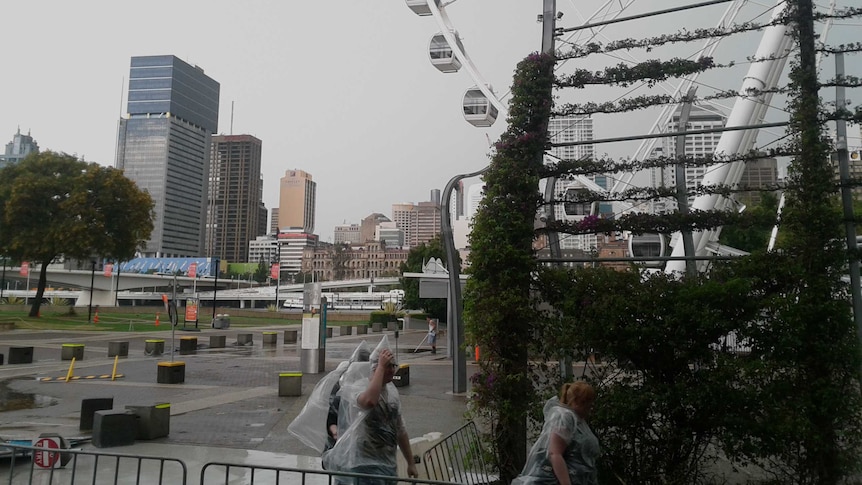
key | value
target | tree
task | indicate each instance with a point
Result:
(261, 273)
(498, 309)
(53, 204)
(419, 255)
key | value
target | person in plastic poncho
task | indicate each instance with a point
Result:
(567, 449)
(311, 424)
(371, 410)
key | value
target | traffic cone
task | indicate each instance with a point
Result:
(476, 350)
(96, 317)
(157, 319)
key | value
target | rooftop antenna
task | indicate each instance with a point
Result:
(231, 117)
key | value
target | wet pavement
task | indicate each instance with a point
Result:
(227, 408)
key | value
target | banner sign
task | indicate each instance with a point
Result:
(273, 272)
(25, 268)
(193, 270)
(109, 270)
(191, 309)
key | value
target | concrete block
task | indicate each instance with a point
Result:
(188, 345)
(20, 355)
(402, 376)
(70, 351)
(154, 421)
(362, 329)
(119, 348)
(244, 339)
(290, 384)
(217, 341)
(154, 347)
(89, 408)
(376, 327)
(345, 330)
(270, 338)
(328, 332)
(114, 428)
(290, 336)
(171, 373)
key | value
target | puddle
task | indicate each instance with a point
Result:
(11, 400)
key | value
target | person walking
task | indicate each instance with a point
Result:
(432, 334)
(369, 445)
(566, 450)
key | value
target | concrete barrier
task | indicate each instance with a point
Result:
(244, 339)
(290, 384)
(270, 338)
(154, 347)
(290, 336)
(345, 330)
(72, 351)
(188, 345)
(171, 372)
(20, 355)
(114, 428)
(154, 420)
(88, 410)
(118, 348)
(217, 341)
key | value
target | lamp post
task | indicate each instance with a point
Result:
(215, 286)
(92, 282)
(3, 279)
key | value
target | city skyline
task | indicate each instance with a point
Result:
(363, 108)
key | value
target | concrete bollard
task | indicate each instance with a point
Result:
(89, 408)
(244, 339)
(72, 351)
(154, 347)
(376, 327)
(154, 421)
(20, 355)
(217, 341)
(290, 384)
(171, 372)
(346, 330)
(114, 428)
(270, 338)
(118, 348)
(188, 345)
(290, 336)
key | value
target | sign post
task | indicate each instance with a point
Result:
(46, 458)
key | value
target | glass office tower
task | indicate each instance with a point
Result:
(164, 146)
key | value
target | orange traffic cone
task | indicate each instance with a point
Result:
(96, 317)
(476, 350)
(157, 319)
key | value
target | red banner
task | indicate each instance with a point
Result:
(273, 272)
(109, 270)
(25, 268)
(193, 270)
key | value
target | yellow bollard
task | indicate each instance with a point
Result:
(114, 370)
(71, 370)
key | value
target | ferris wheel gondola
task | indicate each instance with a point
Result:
(420, 7)
(478, 109)
(442, 56)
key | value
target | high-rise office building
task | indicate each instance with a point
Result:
(573, 129)
(297, 198)
(347, 234)
(702, 116)
(164, 147)
(368, 227)
(420, 222)
(18, 149)
(273, 221)
(233, 209)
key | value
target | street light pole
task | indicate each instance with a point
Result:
(92, 282)
(215, 287)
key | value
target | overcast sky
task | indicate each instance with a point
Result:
(342, 89)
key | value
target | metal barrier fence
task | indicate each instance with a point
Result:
(92, 467)
(215, 473)
(458, 458)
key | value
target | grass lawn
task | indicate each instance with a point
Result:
(58, 318)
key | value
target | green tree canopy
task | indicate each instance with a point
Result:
(53, 204)
(418, 256)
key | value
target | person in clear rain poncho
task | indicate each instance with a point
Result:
(370, 416)
(311, 424)
(566, 450)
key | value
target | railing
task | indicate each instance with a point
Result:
(458, 458)
(215, 473)
(91, 467)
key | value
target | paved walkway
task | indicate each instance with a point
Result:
(227, 409)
